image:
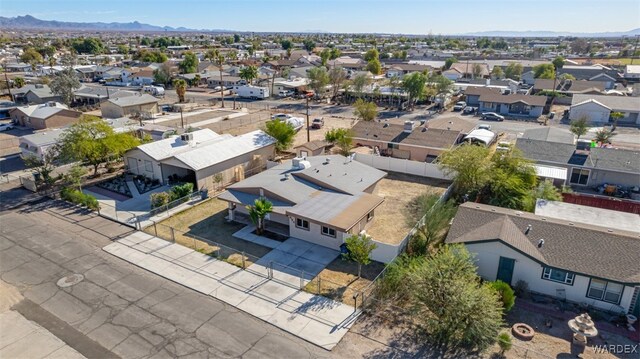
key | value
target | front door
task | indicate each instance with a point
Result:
(505, 269)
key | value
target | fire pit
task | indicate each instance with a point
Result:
(583, 328)
(522, 331)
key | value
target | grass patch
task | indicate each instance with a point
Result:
(339, 280)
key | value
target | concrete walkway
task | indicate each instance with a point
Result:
(316, 319)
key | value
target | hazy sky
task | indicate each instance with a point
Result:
(388, 16)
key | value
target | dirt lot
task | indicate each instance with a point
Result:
(206, 220)
(9, 141)
(390, 224)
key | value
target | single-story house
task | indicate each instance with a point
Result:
(596, 72)
(35, 94)
(585, 166)
(399, 70)
(453, 74)
(143, 104)
(466, 69)
(37, 144)
(422, 144)
(142, 77)
(570, 87)
(202, 157)
(631, 73)
(570, 261)
(550, 134)
(515, 105)
(227, 81)
(322, 199)
(18, 67)
(312, 148)
(452, 124)
(295, 84)
(472, 94)
(598, 108)
(44, 116)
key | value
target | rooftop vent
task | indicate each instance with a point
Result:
(186, 137)
(526, 231)
(385, 125)
(540, 243)
(286, 176)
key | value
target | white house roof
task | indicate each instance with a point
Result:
(588, 215)
(173, 145)
(42, 111)
(42, 138)
(224, 149)
(481, 135)
(614, 103)
(551, 172)
(633, 69)
(591, 101)
(138, 99)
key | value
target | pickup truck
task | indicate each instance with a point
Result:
(459, 106)
(317, 123)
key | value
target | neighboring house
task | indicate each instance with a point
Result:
(595, 72)
(466, 69)
(322, 200)
(572, 212)
(312, 148)
(19, 67)
(570, 87)
(86, 73)
(453, 74)
(296, 84)
(570, 261)
(528, 77)
(35, 94)
(462, 125)
(597, 108)
(631, 73)
(347, 63)
(473, 94)
(585, 167)
(142, 77)
(95, 95)
(200, 156)
(422, 144)
(227, 81)
(399, 70)
(513, 104)
(44, 116)
(37, 144)
(143, 104)
(550, 134)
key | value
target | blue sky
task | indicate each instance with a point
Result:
(389, 16)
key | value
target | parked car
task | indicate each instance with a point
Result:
(317, 123)
(6, 127)
(285, 93)
(484, 126)
(492, 116)
(469, 110)
(280, 116)
(459, 106)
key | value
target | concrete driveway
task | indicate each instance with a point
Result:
(295, 262)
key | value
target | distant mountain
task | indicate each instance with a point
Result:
(631, 33)
(30, 22)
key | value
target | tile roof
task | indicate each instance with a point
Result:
(513, 98)
(581, 248)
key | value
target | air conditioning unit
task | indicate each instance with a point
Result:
(186, 137)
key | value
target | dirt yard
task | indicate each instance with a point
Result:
(206, 220)
(391, 224)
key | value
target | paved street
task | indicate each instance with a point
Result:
(118, 308)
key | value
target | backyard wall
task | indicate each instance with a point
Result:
(416, 168)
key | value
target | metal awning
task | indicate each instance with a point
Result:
(551, 172)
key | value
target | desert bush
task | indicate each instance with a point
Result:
(506, 294)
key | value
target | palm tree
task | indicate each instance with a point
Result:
(604, 136)
(217, 58)
(181, 88)
(260, 209)
(248, 73)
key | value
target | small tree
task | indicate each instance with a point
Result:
(318, 80)
(45, 165)
(615, 116)
(469, 165)
(64, 83)
(505, 293)
(448, 62)
(604, 136)
(340, 137)
(374, 66)
(189, 63)
(497, 72)
(432, 232)
(74, 176)
(504, 341)
(337, 77)
(359, 248)
(249, 73)
(19, 82)
(579, 127)
(257, 213)
(414, 85)
(32, 57)
(359, 82)
(366, 111)
(283, 132)
(181, 89)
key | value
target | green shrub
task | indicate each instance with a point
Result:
(160, 199)
(180, 191)
(504, 341)
(506, 294)
(78, 197)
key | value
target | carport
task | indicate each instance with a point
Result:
(557, 175)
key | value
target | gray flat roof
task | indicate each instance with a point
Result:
(589, 215)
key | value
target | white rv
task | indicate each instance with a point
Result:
(254, 92)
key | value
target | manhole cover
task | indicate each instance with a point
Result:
(70, 280)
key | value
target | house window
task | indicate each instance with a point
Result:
(328, 231)
(579, 176)
(302, 223)
(557, 275)
(605, 291)
(369, 216)
(393, 145)
(148, 166)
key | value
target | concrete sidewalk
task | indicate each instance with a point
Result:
(316, 319)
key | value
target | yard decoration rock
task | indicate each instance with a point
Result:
(522, 331)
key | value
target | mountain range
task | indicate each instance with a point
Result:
(32, 23)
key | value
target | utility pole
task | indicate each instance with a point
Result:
(181, 118)
(9, 85)
(635, 48)
(308, 134)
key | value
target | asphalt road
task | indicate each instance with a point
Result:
(118, 309)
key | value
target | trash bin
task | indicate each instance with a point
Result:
(204, 194)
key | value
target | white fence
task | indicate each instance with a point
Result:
(416, 168)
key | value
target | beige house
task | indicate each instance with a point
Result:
(47, 115)
(202, 157)
(143, 104)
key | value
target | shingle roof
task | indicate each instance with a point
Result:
(376, 131)
(126, 101)
(479, 91)
(513, 98)
(550, 134)
(580, 248)
(451, 123)
(616, 103)
(419, 136)
(314, 145)
(570, 86)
